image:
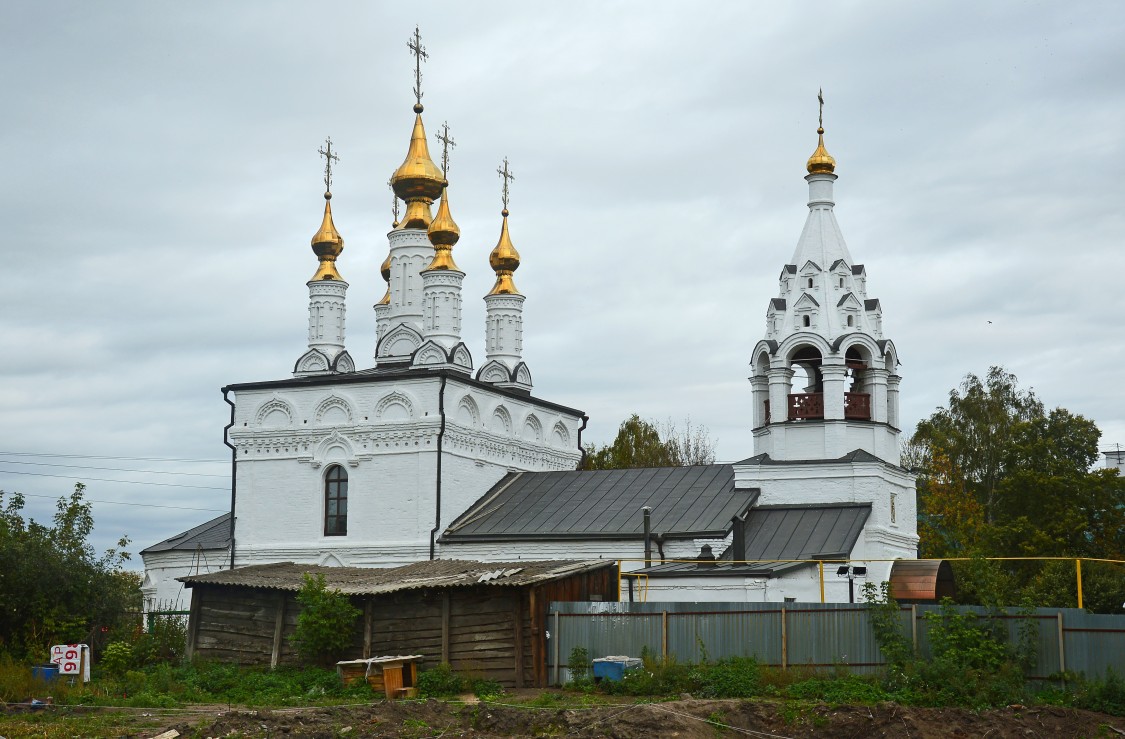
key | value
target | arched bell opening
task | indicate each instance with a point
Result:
(857, 397)
(806, 390)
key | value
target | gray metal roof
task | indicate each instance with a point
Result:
(215, 534)
(856, 455)
(788, 532)
(777, 303)
(871, 304)
(580, 504)
(438, 573)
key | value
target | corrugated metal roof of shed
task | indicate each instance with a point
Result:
(685, 501)
(438, 573)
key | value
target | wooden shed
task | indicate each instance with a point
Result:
(488, 619)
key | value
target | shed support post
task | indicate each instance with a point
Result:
(368, 624)
(664, 635)
(1078, 571)
(278, 624)
(445, 627)
(517, 636)
(784, 641)
(820, 567)
(914, 627)
(193, 622)
(1062, 645)
(556, 639)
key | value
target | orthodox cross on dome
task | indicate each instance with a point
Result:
(394, 199)
(419, 52)
(447, 143)
(326, 152)
(507, 177)
(820, 97)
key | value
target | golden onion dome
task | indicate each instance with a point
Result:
(504, 260)
(418, 180)
(327, 244)
(385, 271)
(821, 161)
(443, 233)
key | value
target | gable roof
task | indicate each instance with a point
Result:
(777, 303)
(686, 502)
(848, 298)
(871, 304)
(804, 299)
(784, 532)
(214, 534)
(856, 455)
(437, 573)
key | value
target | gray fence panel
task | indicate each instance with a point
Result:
(818, 635)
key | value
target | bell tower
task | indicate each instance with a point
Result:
(825, 379)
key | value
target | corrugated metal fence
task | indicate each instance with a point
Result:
(819, 635)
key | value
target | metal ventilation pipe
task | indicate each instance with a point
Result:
(648, 535)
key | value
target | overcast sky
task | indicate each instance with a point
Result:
(160, 184)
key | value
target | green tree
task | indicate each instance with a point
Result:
(1002, 477)
(325, 624)
(53, 587)
(640, 443)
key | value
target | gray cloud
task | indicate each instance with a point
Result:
(160, 183)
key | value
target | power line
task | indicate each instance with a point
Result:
(102, 479)
(112, 469)
(119, 459)
(139, 505)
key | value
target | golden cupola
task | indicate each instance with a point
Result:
(327, 245)
(418, 181)
(443, 233)
(821, 162)
(504, 260)
(385, 271)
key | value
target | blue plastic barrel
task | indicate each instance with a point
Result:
(46, 673)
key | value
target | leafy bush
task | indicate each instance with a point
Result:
(440, 682)
(117, 658)
(578, 665)
(839, 690)
(325, 623)
(734, 677)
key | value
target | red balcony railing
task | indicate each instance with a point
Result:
(858, 406)
(806, 405)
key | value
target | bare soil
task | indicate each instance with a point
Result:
(688, 719)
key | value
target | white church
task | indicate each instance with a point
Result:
(436, 453)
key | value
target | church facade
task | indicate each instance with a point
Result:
(432, 453)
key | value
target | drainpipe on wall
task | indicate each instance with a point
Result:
(738, 535)
(233, 470)
(437, 485)
(648, 535)
(581, 449)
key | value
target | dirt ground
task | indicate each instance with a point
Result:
(689, 719)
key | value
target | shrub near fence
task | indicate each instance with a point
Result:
(819, 635)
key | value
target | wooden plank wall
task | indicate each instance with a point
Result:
(491, 632)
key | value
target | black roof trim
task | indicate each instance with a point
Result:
(856, 455)
(857, 269)
(837, 263)
(777, 303)
(871, 304)
(393, 374)
(803, 296)
(790, 268)
(844, 299)
(213, 534)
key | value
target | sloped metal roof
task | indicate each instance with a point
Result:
(788, 532)
(438, 573)
(583, 504)
(215, 534)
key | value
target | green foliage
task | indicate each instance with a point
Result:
(640, 443)
(440, 682)
(733, 677)
(1004, 477)
(166, 641)
(839, 690)
(886, 623)
(53, 588)
(578, 665)
(325, 623)
(1106, 696)
(961, 640)
(117, 658)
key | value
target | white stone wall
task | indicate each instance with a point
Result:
(160, 589)
(385, 436)
(891, 531)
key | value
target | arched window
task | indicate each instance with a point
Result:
(810, 282)
(336, 501)
(807, 320)
(851, 320)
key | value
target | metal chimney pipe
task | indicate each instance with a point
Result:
(648, 535)
(738, 536)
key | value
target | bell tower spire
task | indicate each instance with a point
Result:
(824, 377)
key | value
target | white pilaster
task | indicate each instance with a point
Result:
(761, 389)
(780, 379)
(441, 305)
(833, 374)
(327, 310)
(504, 328)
